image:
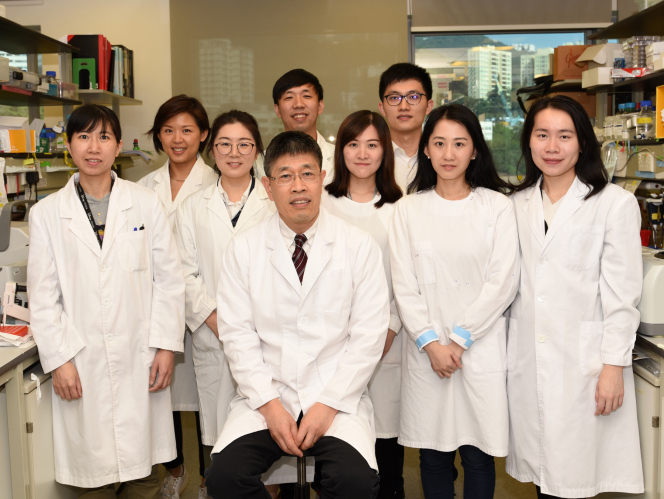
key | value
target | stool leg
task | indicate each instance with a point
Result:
(302, 487)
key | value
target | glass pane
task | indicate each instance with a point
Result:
(484, 72)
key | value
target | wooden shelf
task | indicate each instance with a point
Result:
(17, 39)
(9, 98)
(106, 98)
(648, 22)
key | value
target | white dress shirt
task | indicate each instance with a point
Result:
(405, 167)
(550, 208)
(289, 236)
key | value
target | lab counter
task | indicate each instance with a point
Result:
(650, 407)
(26, 428)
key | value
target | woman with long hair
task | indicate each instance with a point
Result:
(573, 426)
(454, 254)
(205, 224)
(363, 194)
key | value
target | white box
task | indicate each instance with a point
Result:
(658, 65)
(4, 69)
(655, 48)
(596, 76)
(598, 56)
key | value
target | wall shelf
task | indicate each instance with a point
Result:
(106, 98)
(17, 39)
(9, 98)
(648, 22)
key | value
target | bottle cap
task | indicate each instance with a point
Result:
(50, 73)
(646, 103)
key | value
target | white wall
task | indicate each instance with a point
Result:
(141, 25)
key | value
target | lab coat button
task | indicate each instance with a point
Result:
(302, 320)
(109, 337)
(541, 338)
(490, 224)
(103, 268)
(540, 298)
(542, 260)
(106, 302)
(304, 395)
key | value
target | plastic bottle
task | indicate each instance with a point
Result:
(621, 110)
(645, 121)
(630, 124)
(51, 142)
(61, 137)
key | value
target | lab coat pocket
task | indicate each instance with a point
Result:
(487, 355)
(512, 334)
(133, 251)
(423, 260)
(582, 246)
(590, 348)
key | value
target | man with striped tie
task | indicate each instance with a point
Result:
(303, 313)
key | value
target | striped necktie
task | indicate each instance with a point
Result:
(299, 256)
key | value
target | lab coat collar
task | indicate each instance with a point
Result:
(326, 148)
(321, 252)
(254, 203)
(534, 210)
(317, 259)
(71, 207)
(571, 202)
(192, 183)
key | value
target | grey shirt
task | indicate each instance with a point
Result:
(99, 209)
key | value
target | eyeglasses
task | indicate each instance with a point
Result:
(289, 178)
(243, 148)
(395, 99)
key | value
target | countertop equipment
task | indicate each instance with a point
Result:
(651, 305)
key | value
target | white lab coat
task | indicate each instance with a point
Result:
(183, 383)
(108, 311)
(575, 311)
(318, 341)
(455, 264)
(203, 230)
(328, 160)
(385, 384)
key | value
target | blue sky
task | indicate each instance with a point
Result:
(540, 40)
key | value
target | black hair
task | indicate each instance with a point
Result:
(589, 167)
(228, 118)
(351, 128)
(88, 116)
(480, 173)
(291, 144)
(177, 105)
(403, 71)
(293, 79)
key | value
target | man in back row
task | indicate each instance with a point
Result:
(405, 92)
(298, 101)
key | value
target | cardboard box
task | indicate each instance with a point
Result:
(659, 102)
(601, 56)
(658, 65)
(589, 102)
(655, 48)
(4, 69)
(564, 62)
(596, 76)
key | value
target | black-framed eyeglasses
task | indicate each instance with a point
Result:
(413, 98)
(289, 178)
(243, 148)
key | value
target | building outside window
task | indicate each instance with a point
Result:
(484, 72)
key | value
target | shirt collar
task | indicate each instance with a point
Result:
(227, 201)
(289, 235)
